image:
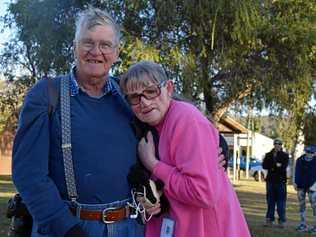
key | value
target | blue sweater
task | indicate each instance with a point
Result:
(103, 149)
(305, 172)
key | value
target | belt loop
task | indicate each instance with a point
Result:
(78, 210)
(127, 211)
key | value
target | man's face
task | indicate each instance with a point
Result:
(277, 146)
(96, 52)
(310, 154)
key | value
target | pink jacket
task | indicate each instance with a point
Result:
(203, 202)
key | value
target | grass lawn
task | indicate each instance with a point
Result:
(251, 195)
(252, 198)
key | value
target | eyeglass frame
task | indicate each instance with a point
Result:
(92, 44)
(278, 143)
(158, 86)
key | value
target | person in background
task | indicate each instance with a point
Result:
(276, 162)
(202, 200)
(305, 183)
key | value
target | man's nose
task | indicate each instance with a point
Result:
(95, 50)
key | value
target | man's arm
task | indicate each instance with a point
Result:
(30, 166)
(266, 163)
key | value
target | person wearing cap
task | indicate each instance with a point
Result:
(305, 183)
(276, 162)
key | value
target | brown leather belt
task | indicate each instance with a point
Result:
(108, 215)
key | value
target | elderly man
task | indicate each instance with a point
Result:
(70, 166)
(276, 162)
(102, 145)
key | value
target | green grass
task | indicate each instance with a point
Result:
(251, 195)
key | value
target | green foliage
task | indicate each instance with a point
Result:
(310, 128)
(217, 52)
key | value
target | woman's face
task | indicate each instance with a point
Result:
(96, 51)
(150, 103)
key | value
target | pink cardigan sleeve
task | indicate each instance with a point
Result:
(193, 149)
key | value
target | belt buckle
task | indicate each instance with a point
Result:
(104, 215)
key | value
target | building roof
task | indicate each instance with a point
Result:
(228, 125)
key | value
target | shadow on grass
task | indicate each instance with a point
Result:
(4, 221)
(6, 192)
(260, 231)
(6, 178)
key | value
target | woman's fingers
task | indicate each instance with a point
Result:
(151, 209)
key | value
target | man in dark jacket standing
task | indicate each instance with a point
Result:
(276, 162)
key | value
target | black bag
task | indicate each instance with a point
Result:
(21, 220)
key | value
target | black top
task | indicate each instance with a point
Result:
(276, 174)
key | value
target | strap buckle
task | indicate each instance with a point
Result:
(105, 213)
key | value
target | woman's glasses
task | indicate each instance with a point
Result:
(150, 92)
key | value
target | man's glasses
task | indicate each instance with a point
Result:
(277, 143)
(104, 47)
(150, 92)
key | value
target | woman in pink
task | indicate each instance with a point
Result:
(202, 200)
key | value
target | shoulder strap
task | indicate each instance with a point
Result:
(66, 138)
(53, 95)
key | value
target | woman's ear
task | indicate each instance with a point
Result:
(169, 85)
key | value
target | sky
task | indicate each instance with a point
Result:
(4, 36)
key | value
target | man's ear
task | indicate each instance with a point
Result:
(170, 87)
(117, 54)
(74, 49)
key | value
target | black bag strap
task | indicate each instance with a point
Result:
(53, 95)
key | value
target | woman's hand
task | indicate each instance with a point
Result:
(221, 159)
(146, 151)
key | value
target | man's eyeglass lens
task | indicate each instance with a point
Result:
(105, 48)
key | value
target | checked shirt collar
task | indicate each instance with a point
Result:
(74, 87)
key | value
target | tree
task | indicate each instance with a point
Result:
(217, 52)
(310, 128)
